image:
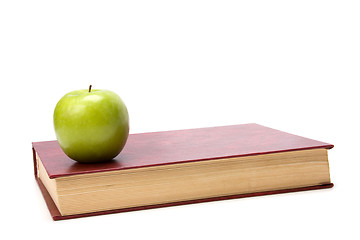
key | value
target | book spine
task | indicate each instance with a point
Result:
(35, 163)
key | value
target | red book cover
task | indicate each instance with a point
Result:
(178, 146)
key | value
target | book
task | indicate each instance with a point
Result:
(169, 168)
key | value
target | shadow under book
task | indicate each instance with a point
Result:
(180, 167)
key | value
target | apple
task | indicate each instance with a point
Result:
(91, 125)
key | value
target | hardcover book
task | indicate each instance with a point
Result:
(177, 167)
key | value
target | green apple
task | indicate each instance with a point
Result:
(91, 125)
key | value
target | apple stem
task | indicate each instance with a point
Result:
(90, 88)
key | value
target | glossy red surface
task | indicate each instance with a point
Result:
(171, 147)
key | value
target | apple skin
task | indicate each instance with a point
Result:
(91, 125)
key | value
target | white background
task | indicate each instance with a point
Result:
(290, 65)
